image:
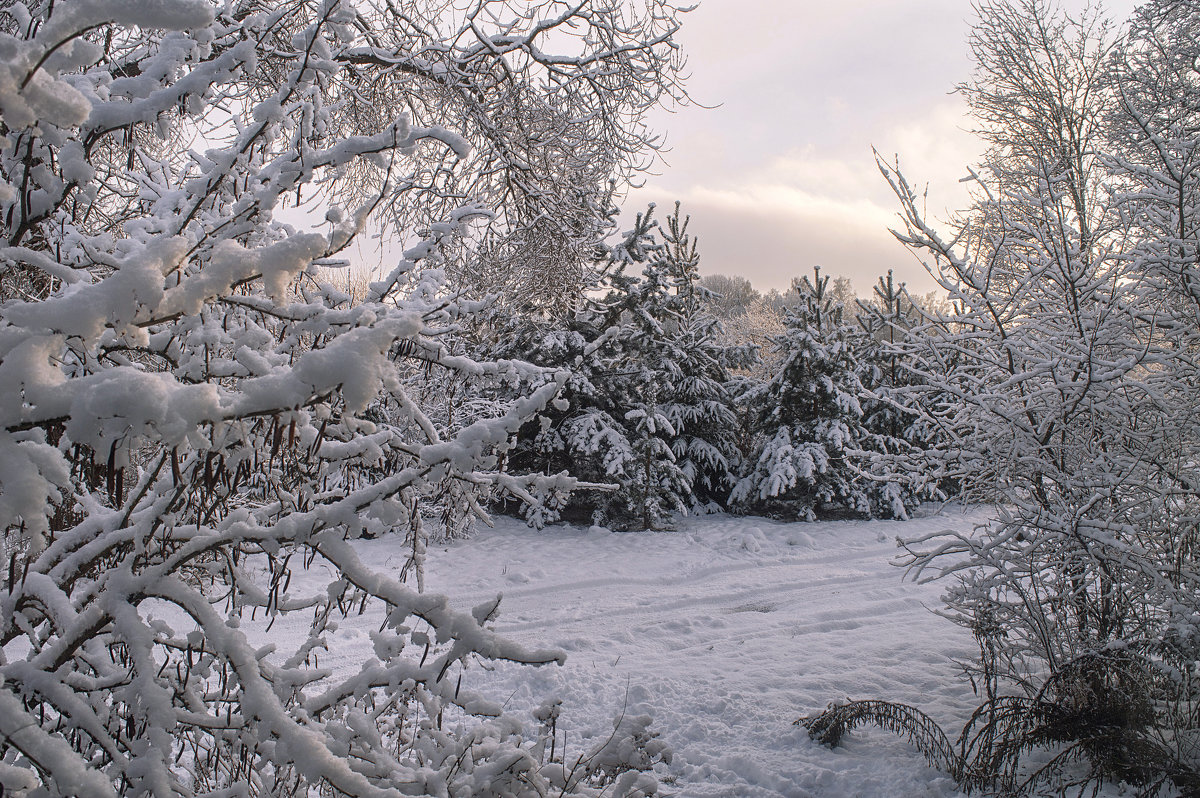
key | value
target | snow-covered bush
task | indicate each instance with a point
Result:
(1062, 382)
(190, 415)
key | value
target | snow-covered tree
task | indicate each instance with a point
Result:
(671, 378)
(698, 401)
(1045, 332)
(653, 486)
(1062, 386)
(554, 102)
(646, 408)
(1071, 412)
(897, 432)
(1154, 133)
(807, 416)
(1038, 92)
(189, 415)
(584, 431)
(579, 432)
(730, 296)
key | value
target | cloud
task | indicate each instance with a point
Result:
(792, 202)
(934, 148)
(820, 205)
(771, 235)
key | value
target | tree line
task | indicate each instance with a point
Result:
(675, 414)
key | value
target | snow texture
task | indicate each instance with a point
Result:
(724, 632)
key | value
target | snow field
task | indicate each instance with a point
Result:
(725, 631)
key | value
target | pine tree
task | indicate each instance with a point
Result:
(896, 429)
(699, 401)
(647, 408)
(807, 417)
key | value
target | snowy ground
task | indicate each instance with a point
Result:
(726, 631)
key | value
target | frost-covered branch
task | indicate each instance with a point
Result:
(190, 416)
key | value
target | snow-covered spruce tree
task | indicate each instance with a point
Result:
(577, 433)
(699, 400)
(646, 408)
(584, 430)
(807, 417)
(639, 363)
(670, 376)
(896, 429)
(187, 419)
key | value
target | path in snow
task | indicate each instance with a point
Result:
(726, 631)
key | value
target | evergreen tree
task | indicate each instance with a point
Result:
(585, 432)
(647, 407)
(896, 429)
(680, 419)
(646, 362)
(807, 417)
(699, 401)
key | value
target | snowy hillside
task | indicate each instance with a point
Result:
(726, 631)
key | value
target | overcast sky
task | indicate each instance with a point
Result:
(780, 176)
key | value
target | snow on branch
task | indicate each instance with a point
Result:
(193, 424)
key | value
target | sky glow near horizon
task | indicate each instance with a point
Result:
(780, 176)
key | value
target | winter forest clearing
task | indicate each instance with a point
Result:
(725, 632)
(258, 501)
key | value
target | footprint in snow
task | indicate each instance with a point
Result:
(754, 606)
(802, 540)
